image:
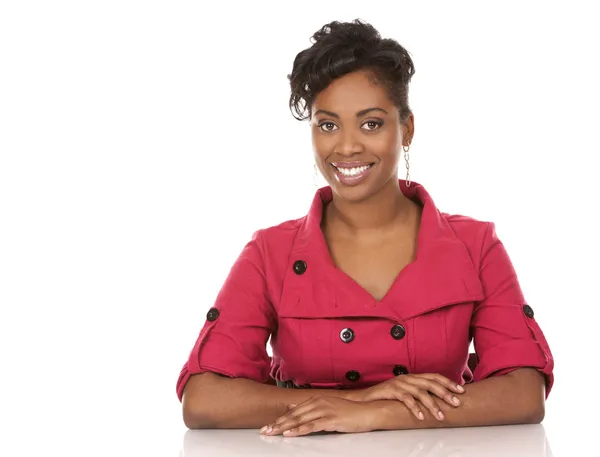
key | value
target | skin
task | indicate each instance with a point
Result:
(371, 228)
(375, 206)
(371, 231)
(513, 398)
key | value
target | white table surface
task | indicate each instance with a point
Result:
(505, 441)
(132, 432)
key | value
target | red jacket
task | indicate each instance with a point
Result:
(327, 331)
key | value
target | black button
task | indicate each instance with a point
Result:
(299, 267)
(212, 314)
(347, 335)
(528, 310)
(399, 370)
(398, 332)
(353, 376)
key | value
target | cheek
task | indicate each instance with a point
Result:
(320, 143)
(322, 149)
(388, 144)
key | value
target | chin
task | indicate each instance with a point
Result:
(355, 193)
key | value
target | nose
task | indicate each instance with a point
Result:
(348, 144)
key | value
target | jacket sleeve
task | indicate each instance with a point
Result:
(233, 340)
(505, 332)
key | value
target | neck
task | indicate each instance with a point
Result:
(385, 210)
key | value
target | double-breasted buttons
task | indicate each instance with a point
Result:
(528, 310)
(300, 267)
(399, 370)
(212, 315)
(398, 332)
(347, 335)
(352, 375)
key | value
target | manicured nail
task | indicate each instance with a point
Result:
(421, 416)
(461, 388)
(264, 429)
(287, 432)
(456, 401)
(269, 429)
(440, 415)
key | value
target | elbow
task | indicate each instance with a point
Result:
(192, 419)
(195, 418)
(531, 384)
(534, 410)
(194, 407)
(537, 413)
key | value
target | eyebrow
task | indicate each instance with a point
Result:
(360, 113)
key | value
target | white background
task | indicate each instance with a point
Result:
(141, 144)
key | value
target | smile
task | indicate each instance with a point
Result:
(351, 173)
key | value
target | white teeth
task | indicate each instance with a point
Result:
(352, 171)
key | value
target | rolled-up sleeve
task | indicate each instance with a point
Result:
(233, 340)
(505, 333)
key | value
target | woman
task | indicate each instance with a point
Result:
(372, 299)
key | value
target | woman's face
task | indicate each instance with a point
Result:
(357, 136)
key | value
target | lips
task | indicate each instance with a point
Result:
(351, 173)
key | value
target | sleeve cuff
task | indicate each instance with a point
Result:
(502, 359)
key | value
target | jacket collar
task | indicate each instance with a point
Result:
(441, 274)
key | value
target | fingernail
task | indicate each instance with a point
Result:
(269, 429)
(461, 388)
(421, 416)
(287, 432)
(264, 429)
(456, 401)
(440, 415)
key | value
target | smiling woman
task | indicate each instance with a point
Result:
(372, 299)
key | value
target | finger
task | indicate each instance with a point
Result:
(424, 397)
(310, 427)
(411, 404)
(434, 387)
(297, 409)
(298, 420)
(267, 429)
(449, 384)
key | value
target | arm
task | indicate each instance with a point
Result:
(212, 401)
(225, 382)
(513, 398)
(514, 373)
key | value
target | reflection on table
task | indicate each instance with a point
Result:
(504, 441)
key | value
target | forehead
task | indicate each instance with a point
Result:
(351, 93)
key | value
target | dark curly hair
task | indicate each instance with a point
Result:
(343, 47)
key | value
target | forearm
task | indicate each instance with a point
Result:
(515, 398)
(212, 401)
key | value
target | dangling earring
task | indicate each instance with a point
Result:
(407, 164)
(406, 159)
(315, 177)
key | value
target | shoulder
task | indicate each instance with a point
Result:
(472, 232)
(281, 231)
(466, 225)
(279, 238)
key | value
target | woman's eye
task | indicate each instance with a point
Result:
(373, 125)
(329, 126)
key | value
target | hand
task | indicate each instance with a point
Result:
(328, 414)
(408, 388)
